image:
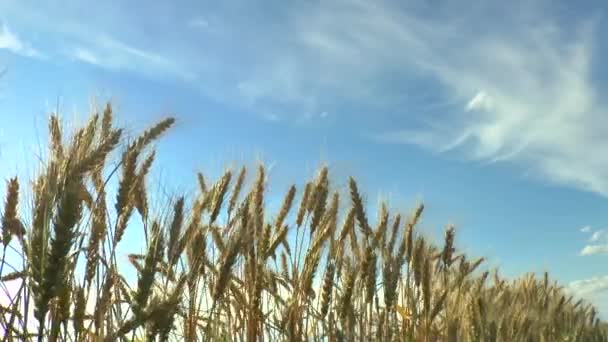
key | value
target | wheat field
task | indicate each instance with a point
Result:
(217, 266)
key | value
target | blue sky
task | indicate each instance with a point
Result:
(490, 113)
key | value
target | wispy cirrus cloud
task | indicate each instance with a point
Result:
(520, 89)
(110, 53)
(11, 42)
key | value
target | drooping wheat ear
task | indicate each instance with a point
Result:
(328, 285)
(357, 203)
(236, 191)
(153, 133)
(175, 231)
(11, 225)
(304, 204)
(219, 192)
(129, 162)
(287, 203)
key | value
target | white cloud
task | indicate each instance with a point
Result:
(586, 229)
(594, 290)
(538, 106)
(594, 249)
(481, 101)
(589, 286)
(599, 235)
(9, 41)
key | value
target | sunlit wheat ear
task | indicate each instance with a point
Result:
(426, 284)
(175, 230)
(219, 192)
(89, 132)
(140, 198)
(56, 137)
(304, 204)
(153, 133)
(106, 120)
(365, 270)
(236, 191)
(357, 203)
(285, 207)
(448, 249)
(393, 237)
(56, 264)
(228, 260)
(258, 200)
(79, 300)
(380, 234)
(347, 291)
(147, 275)
(318, 200)
(11, 225)
(218, 240)
(418, 260)
(326, 292)
(347, 227)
